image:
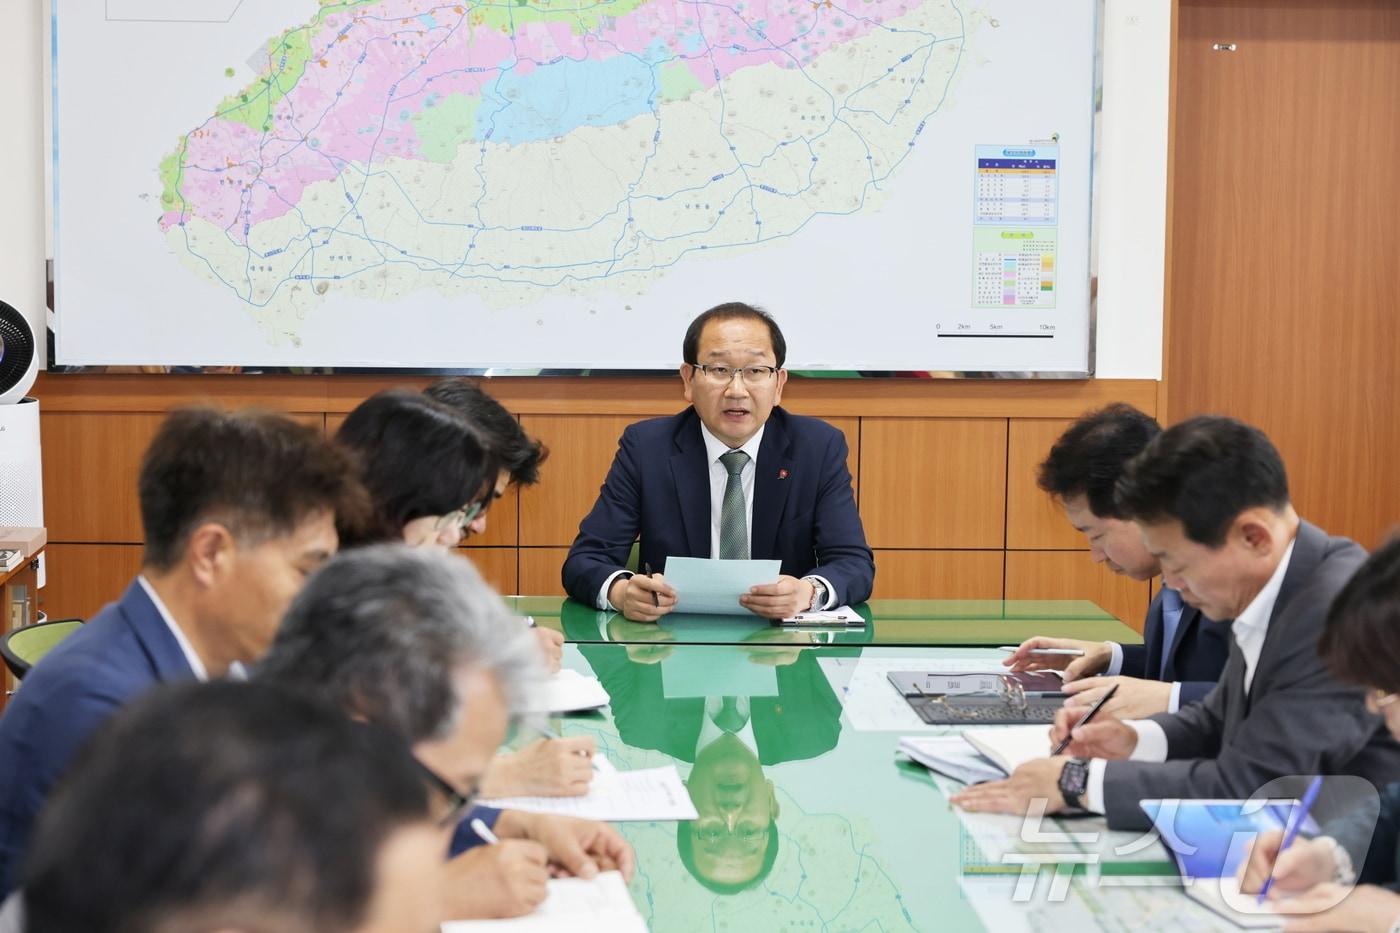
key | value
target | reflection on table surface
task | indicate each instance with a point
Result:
(807, 821)
(914, 622)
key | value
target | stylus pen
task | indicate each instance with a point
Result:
(599, 761)
(1290, 832)
(655, 597)
(1093, 711)
(1065, 652)
(483, 832)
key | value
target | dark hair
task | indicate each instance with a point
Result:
(261, 474)
(1089, 457)
(417, 457)
(233, 803)
(1203, 473)
(1361, 640)
(517, 452)
(380, 632)
(731, 311)
(685, 847)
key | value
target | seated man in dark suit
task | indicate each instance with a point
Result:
(237, 510)
(1183, 652)
(1361, 645)
(229, 806)
(1211, 498)
(732, 477)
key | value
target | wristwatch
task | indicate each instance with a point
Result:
(818, 594)
(1074, 782)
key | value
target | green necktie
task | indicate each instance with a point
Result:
(733, 524)
(729, 718)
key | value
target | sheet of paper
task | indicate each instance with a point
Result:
(572, 904)
(724, 670)
(713, 587)
(951, 756)
(568, 692)
(644, 795)
(872, 704)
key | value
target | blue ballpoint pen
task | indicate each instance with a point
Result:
(1290, 832)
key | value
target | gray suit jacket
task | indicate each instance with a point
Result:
(1296, 720)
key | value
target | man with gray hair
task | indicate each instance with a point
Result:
(414, 641)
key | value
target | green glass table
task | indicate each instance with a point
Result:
(808, 821)
(894, 622)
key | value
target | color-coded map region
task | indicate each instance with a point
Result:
(500, 149)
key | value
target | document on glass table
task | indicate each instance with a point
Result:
(644, 795)
(713, 587)
(571, 904)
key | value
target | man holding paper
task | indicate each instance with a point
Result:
(732, 477)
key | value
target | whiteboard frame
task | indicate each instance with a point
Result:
(53, 366)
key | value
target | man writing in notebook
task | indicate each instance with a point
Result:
(732, 477)
(1211, 498)
(1184, 651)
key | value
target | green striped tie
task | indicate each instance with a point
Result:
(733, 525)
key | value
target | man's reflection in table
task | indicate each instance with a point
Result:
(729, 736)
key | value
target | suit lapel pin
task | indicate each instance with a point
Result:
(782, 474)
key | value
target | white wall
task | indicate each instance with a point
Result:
(1132, 178)
(22, 277)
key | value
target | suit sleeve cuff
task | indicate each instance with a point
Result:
(603, 603)
(1115, 663)
(1174, 703)
(830, 591)
(1151, 743)
(1093, 794)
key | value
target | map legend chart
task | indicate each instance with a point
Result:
(1015, 227)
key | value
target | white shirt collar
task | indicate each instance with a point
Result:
(191, 658)
(715, 448)
(1255, 617)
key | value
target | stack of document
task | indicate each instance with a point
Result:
(645, 795)
(571, 904)
(950, 755)
(570, 692)
(978, 755)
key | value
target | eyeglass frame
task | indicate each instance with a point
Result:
(710, 374)
(458, 803)
(461, 518)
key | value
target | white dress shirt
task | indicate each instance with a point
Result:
(187, 649)
(719, 481)
(1115, 667)
(1248, 629)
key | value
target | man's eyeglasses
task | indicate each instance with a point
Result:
(723, 375)
(459, 519)
(458, 803)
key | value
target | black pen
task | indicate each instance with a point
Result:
(655, 597)
(1093, 710)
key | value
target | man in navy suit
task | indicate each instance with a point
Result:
(238, 509)
(732, 477)
(1183, 653)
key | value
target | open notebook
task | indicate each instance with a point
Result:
(1009, 747)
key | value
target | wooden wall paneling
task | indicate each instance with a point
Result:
(1034, 520)
(497, 566)
(1072, 575)
(1282, 275)
(91, 464)
(82, 578)
(581, 450)
(933, 483)
(636, 396)
(938, 574)
(539, 570)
